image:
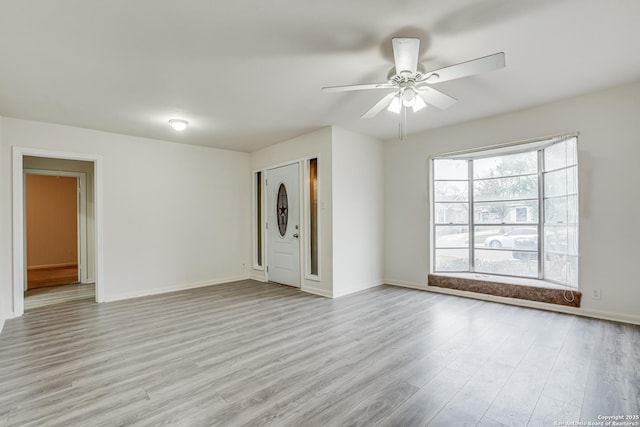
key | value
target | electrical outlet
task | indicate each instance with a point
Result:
(244, 266)
(596, 294)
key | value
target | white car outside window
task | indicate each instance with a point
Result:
(508, 239)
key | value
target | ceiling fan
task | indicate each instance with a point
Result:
(411, 83)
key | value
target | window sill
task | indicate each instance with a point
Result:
(510, 287)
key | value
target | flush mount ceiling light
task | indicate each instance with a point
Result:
(178, 124)
(411, 82)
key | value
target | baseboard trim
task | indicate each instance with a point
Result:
(157, 291)
(596, 314)
(354, 290)
(46, 266)
(8, 316)
(324, 293)
(257, 278)
(403, 284)
(316, 291)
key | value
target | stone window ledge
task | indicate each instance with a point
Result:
(510, 287)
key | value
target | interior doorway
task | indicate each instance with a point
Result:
(85, 170)
(55, 228)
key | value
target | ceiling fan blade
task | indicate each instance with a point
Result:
(437, 98)
(464, 69)
(380, 105)
(357, 87)
(405, 54)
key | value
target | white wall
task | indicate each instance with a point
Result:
(609, 193)
(174, 215)
(6, 294)
(178, 215)
(316, 144)
(358, 212)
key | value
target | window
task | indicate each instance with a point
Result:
(561, 213)
(257, 251)
(491, 207)
(313, 217)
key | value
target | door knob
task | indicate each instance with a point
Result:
(296, 235)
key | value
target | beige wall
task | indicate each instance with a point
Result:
(316, 144)
(608, 153)
(350, 216)
(51, 220)
(173, 215)
(358, 211)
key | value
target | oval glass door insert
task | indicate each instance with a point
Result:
(282, 206)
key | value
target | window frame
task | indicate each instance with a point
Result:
(258, 219)
(536, 145)
(307, 198)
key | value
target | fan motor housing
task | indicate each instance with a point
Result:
(394, 78)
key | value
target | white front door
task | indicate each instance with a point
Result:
(283, 225)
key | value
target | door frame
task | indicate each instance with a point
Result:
(19, 235)
(301, 265)
(81, 217)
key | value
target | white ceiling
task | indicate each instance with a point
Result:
(247, 73)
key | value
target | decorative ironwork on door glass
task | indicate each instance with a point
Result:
(282, 206)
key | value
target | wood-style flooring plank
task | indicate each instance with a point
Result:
(255, 354)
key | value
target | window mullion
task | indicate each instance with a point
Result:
(432, 202)
(541, 214)
(472, 244)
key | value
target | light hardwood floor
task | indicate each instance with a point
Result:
(249, 353)
(51, 295)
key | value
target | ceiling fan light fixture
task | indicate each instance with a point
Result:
(418, 104)
(412, 82)
(178, 124)
(395, 105)
(408, 97)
